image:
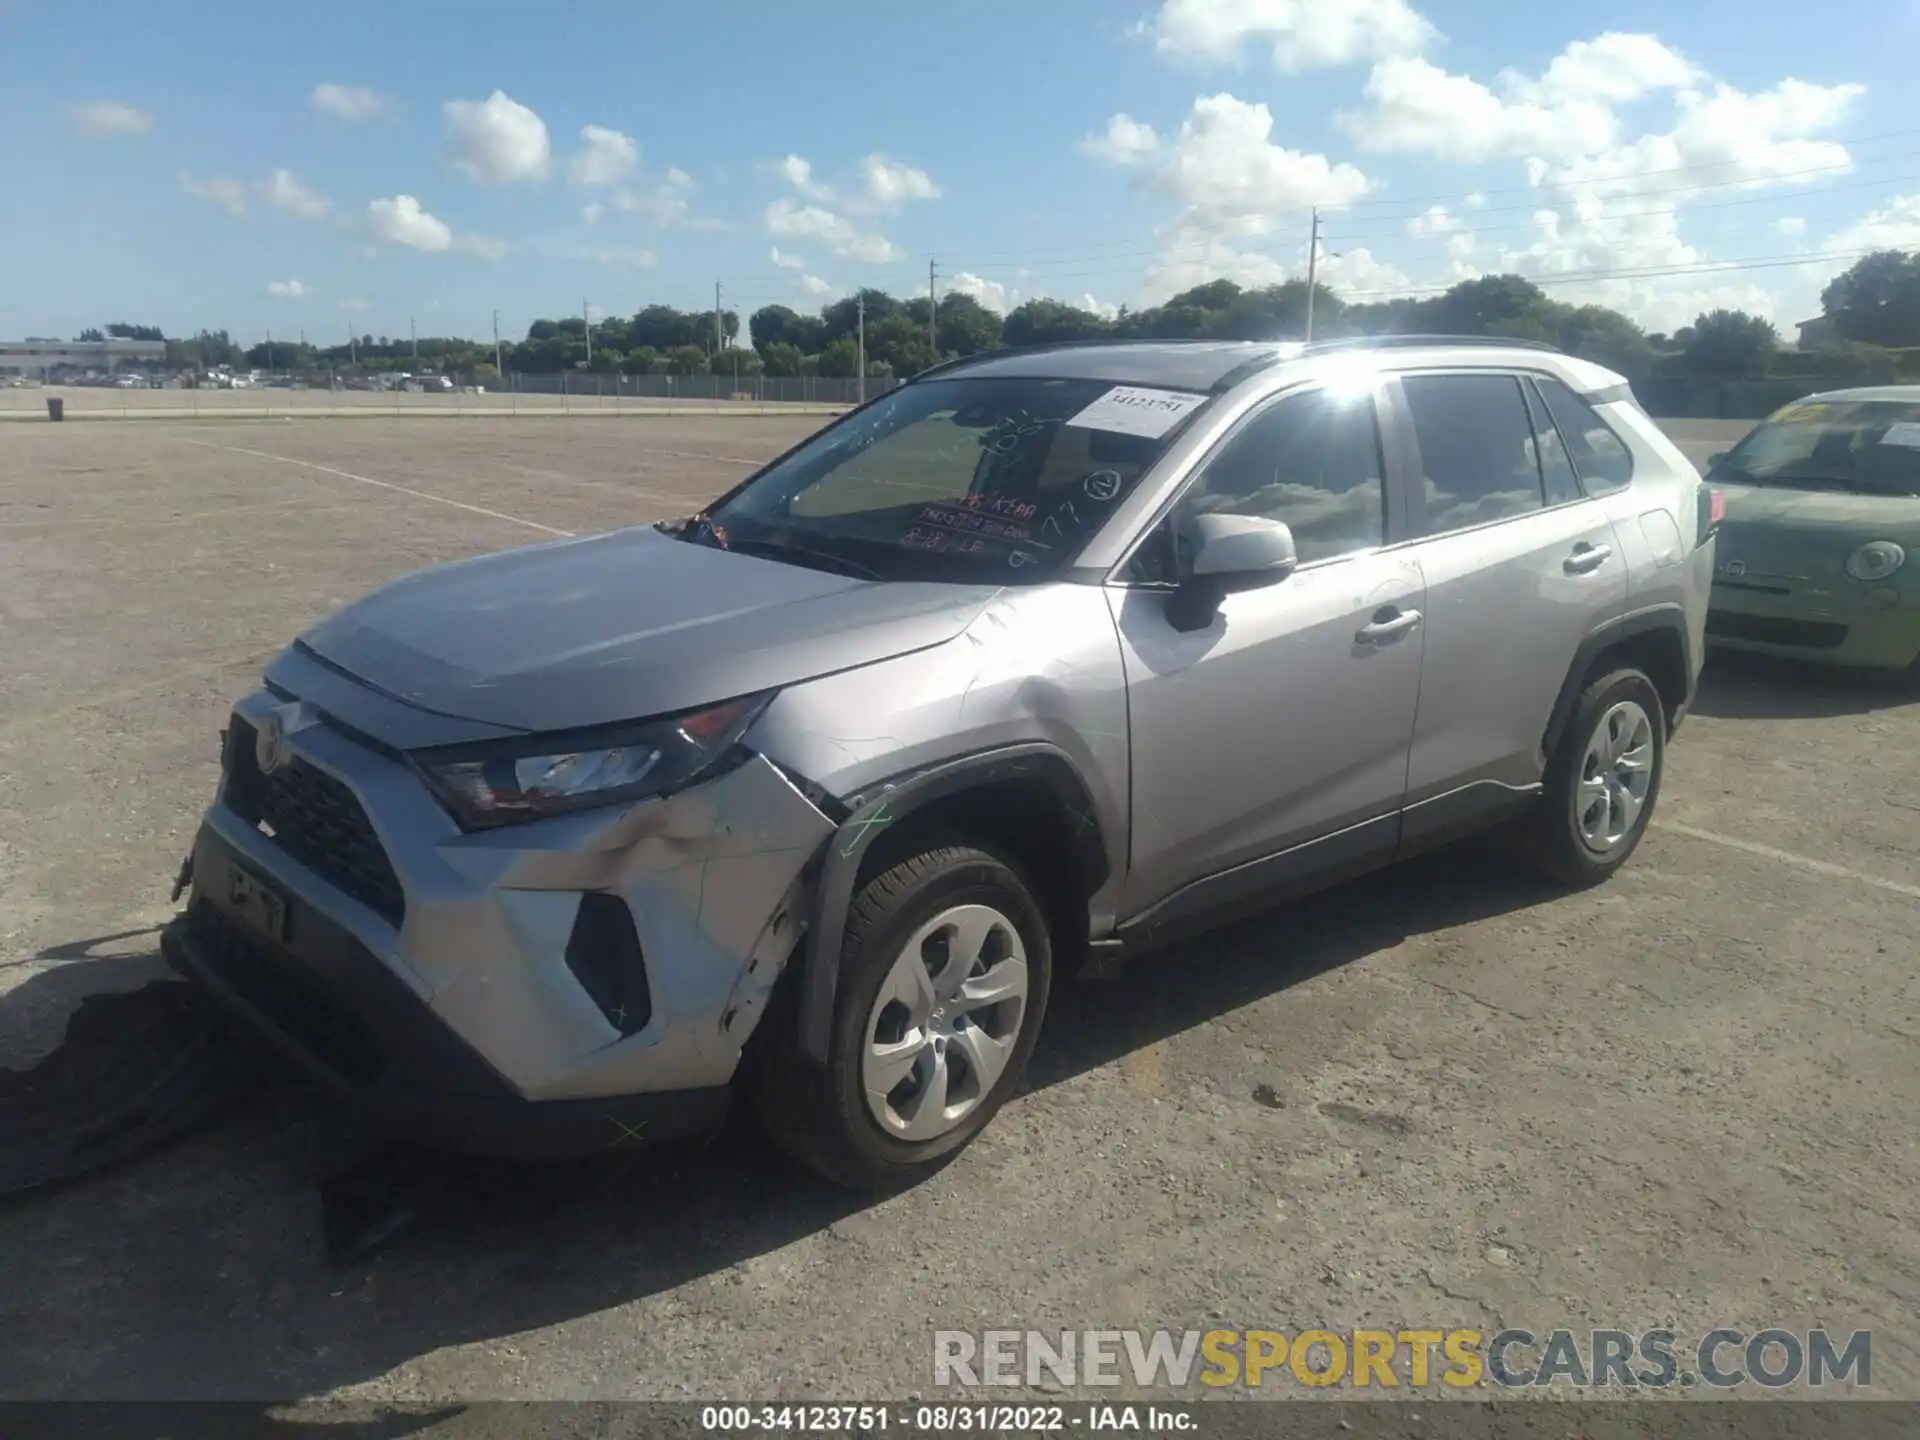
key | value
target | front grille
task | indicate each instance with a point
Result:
(317, 820)
(302, 1010)
(1773, 630)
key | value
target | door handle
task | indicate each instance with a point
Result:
(1388, 625)
(1586, 558)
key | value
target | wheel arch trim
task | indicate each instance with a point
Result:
(877, 809)
(1668, 617)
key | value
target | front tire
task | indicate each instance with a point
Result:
(1602, 781)
(944, 974)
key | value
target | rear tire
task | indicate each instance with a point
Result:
(944, 975)
(1602, 781)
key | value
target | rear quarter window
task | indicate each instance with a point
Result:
(1600, 457)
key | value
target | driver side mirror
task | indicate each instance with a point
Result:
(1231, 553)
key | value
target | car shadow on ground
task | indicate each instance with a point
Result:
(1739, 686)
(220, 1287)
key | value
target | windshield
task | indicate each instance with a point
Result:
(1868, 447)
(994, 480)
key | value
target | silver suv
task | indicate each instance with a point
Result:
(1045, 658)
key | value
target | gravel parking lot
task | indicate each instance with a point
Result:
(1436, 1097)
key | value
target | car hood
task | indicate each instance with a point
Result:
(623, 626)
(1872, 517)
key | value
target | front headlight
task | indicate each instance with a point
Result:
(1875, 560)
(502, 782)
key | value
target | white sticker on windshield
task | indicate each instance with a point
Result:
(1902, 432)
(1133, 410)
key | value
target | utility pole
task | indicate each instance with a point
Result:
(586, 318)
(860, 311)
(269, 352)
(414, 335)
(499, 364)
(1313, 268)
(353, 346)
(719, 330)
(933, 312)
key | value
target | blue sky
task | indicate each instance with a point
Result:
(311, 168)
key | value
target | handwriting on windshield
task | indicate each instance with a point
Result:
(974, 522)
(1007, 434)
(988, 503)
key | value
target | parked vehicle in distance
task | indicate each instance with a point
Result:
(1823, 512)
(1044, 656)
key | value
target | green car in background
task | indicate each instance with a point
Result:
(1819, 553)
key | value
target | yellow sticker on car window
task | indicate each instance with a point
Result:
(1800, 410)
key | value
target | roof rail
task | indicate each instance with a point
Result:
(1362, 342)
(1099, 343)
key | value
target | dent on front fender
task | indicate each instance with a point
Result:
(715, 877)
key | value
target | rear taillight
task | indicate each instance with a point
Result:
(1712, 506)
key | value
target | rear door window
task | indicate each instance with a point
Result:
(1478, 456)
(1600, 457)
(1556, 468)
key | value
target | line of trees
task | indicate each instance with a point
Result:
(1871, 319)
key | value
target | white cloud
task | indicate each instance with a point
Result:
(626, 258)
(1102, 308)
(354, 306)
(1608, 221)
(1614, 67)
(991, 293)
(891, 183)
(1414, 105)
(286, 289)
(1434, 220)
(402, 221)
(228, 195)
(666, 205)
(497, 141)
(1475, 201)
(798, 173)
(791, 221)
(1790, 225)
(786, 261)
(1359, 271)
(1724, 139)
(1233, 183)
(815, 286)
(605, 158)
(345, 102)
(592, 213)
(485, 246)
(1304, 34)
(1895, 226)
(1225, 168)
(110, 117)
(1124, 141)
(286, 191)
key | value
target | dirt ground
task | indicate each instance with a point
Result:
(1436, 1097)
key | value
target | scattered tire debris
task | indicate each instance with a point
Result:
(135, 1069)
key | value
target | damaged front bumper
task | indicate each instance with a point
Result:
(545, 988)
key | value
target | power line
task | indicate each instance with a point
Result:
(1652, 272)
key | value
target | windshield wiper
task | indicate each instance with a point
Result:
(801, 555)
